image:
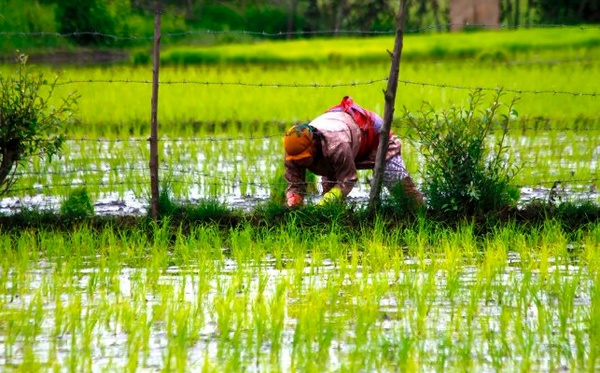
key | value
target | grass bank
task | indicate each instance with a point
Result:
(571, 216)
(492, 45)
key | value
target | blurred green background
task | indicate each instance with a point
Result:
(127, 23)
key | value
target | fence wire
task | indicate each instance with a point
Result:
(190, 176)
(589, 185)
(337, 85)
(229, 139)
(289, 34)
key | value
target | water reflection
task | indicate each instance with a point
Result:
(114, 309)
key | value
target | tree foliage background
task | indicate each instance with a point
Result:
(96, 22)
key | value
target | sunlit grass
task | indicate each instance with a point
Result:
(347, 49)
(256, 95)
(116, 100)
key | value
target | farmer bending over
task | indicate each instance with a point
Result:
(334, 145)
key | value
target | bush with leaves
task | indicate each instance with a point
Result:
(31, 123)
(466, 171)
(78, 205)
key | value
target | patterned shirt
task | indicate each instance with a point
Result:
(336, 161)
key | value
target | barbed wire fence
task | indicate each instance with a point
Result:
(336, 85)
(211, 182)
(285, 34)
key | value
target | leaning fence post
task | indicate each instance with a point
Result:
(390, 98)
(154, 121)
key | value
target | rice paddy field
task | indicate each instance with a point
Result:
(221, 123)
(420, 299)
(286, 297)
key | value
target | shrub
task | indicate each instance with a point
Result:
(31, 124)
(466, 172)
(78, 205)
(166, 206)
(399, 204)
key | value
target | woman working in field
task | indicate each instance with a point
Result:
(335, 145)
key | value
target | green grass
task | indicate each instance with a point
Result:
(196, 100)
(305, 79)
(505, 44)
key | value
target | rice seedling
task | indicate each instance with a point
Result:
(495, 45)
(219, 140)
(224, 94)
(311, 293)
(335, 309)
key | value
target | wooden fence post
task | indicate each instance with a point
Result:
(390, 98)
(154, 117)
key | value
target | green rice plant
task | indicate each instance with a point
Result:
(78, 205)
(199, 109)
(351, 50)
(278, 186)
(418, 297)
(400, 205)
(592, 321)
(211, 211)
(548, 156)
(463, 175)
(376, 255)
(311, 339)
(277, 311)
(166, 206)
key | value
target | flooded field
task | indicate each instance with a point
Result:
(113, 204)
(245, 171)
(264, 305)
(292, 298)
(285, 296)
